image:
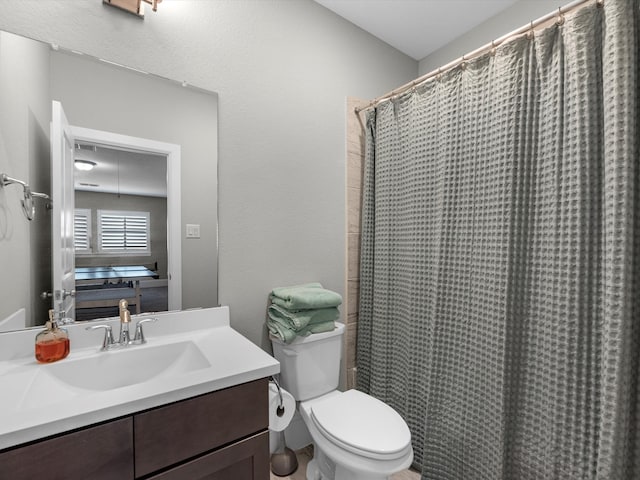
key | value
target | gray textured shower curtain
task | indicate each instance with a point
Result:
(499, 296)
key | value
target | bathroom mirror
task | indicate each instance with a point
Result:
(112, 98)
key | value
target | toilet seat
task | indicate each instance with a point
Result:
(362, 425)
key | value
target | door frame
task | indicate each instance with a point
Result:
(172, 153)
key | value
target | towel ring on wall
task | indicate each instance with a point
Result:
(28, 205)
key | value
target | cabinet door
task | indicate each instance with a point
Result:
(168, 435)
(245, 460)
(103, 452)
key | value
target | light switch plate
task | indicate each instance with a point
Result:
(193, 230)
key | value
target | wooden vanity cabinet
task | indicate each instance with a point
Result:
(168, 435)
(221, 435)
(101, 452)
(246, 459)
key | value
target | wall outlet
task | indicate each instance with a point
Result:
(193, 230)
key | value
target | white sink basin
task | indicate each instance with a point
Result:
(188, 353)
(129, 366)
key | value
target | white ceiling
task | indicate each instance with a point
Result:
(416, 27)
(121, 171)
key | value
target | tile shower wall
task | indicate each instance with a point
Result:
(355, 161)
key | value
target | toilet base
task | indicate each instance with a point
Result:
(322, 467)
(313, 472)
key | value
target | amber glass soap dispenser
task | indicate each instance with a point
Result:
(52, 343)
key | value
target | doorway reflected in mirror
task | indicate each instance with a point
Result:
(120, 231)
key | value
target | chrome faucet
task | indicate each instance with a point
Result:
(124, 339)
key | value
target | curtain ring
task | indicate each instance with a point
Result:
(530, 32)
(493, 48)
(560, 20)
(463, 64)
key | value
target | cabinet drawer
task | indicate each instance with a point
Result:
(103, 452)
(245, 460)
(168, 435)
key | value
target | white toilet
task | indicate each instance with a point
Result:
(355, 436)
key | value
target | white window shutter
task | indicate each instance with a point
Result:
(123, 232)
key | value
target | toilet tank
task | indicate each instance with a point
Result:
(310, 366)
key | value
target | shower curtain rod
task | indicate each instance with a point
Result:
(558, 14)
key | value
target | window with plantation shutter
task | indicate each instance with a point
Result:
(121, 232)
(82, 230)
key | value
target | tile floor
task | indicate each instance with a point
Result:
(306, 454)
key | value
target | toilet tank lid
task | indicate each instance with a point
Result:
(362, 422)
(314, 337)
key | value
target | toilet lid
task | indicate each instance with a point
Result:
(362, 423)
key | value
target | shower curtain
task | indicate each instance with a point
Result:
(499, 295)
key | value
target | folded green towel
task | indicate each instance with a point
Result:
(305, 297)
(299, 319)
(279, 329)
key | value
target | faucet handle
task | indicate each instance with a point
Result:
(108, 335)
(139, 337)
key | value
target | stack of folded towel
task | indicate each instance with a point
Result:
(302, 310)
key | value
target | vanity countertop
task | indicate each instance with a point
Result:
(34, 404)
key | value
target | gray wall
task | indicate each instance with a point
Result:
(24, 151)
(519, 14)
(283, 70)
(157, 208)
